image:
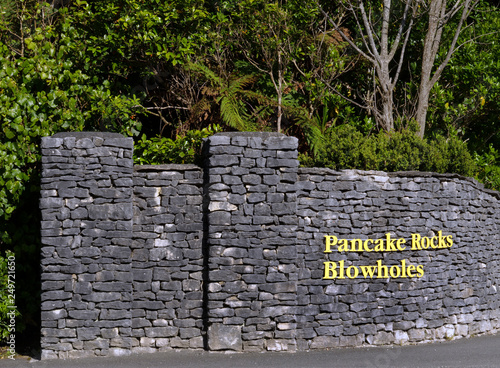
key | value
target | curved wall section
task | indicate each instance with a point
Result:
(428, 291)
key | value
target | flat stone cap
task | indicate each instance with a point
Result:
(262, 135)
(86, 140)
(80, 135)
(258, 140)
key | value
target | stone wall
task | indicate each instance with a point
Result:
(231, 256)
(167, 259)
(251, 241)
(86, 203)
(455, 297)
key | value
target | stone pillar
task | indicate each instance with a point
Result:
(252, 226)
(86, 206)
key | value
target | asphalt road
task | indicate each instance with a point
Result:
(479, 352)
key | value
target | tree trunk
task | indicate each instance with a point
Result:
(422, 107)
(431, 47)
(279, 92)
(438, 17)
(380, 48)
(385, 113)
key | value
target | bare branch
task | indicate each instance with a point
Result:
(335, 90)
(401, 29)
(401, 56)
(343, 35)
(386, 12)
(467, 7)
(163, 107)
(363, 35)
(451, 13)
(370, 32)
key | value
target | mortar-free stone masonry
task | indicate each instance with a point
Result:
(252, 253)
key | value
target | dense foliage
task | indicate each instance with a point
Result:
(488, 168)
(162, 150)
(165, 71)
(347, 148)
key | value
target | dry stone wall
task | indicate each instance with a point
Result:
(231, 256)
(251, 241)
(455, 297)
(86, 203)
(167, 259)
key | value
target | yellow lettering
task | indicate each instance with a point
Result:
(330, 272)
(329, 241)
(390, 247)
(341, 270)
(449, 239)
(399, 244)
(434, 246)
(368, 271)
(349, 273)
(415, 242)
(365, 245)
(396, 273)
(381, 267)
(403, 267)
(420, 270)
(441, 243)
(379, 245)
(410, 270)
(359, 243)
(425, 243)
(344, 245)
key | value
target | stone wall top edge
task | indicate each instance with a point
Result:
(252, 134)
(167, 167)
(318, 171)
(344, 172)
(443, 176)
(88, 135)
(411, 174)
(408, 174)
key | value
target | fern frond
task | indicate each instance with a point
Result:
(206, 72)
(309, 126)
(237, 85)
(261, 99)
(228, 94)
(230, 112)
(210, 91)
(198, 109)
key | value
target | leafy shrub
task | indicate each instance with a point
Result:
(43, 90)
(182, 150)
(488, 168)
(347, 148)
(398, 151)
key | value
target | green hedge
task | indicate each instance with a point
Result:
(488, 165)
(346, 148)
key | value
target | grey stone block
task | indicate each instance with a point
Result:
(219, 218)
(119, 211)
(217, 140)
(156, 332)
(222, 337)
